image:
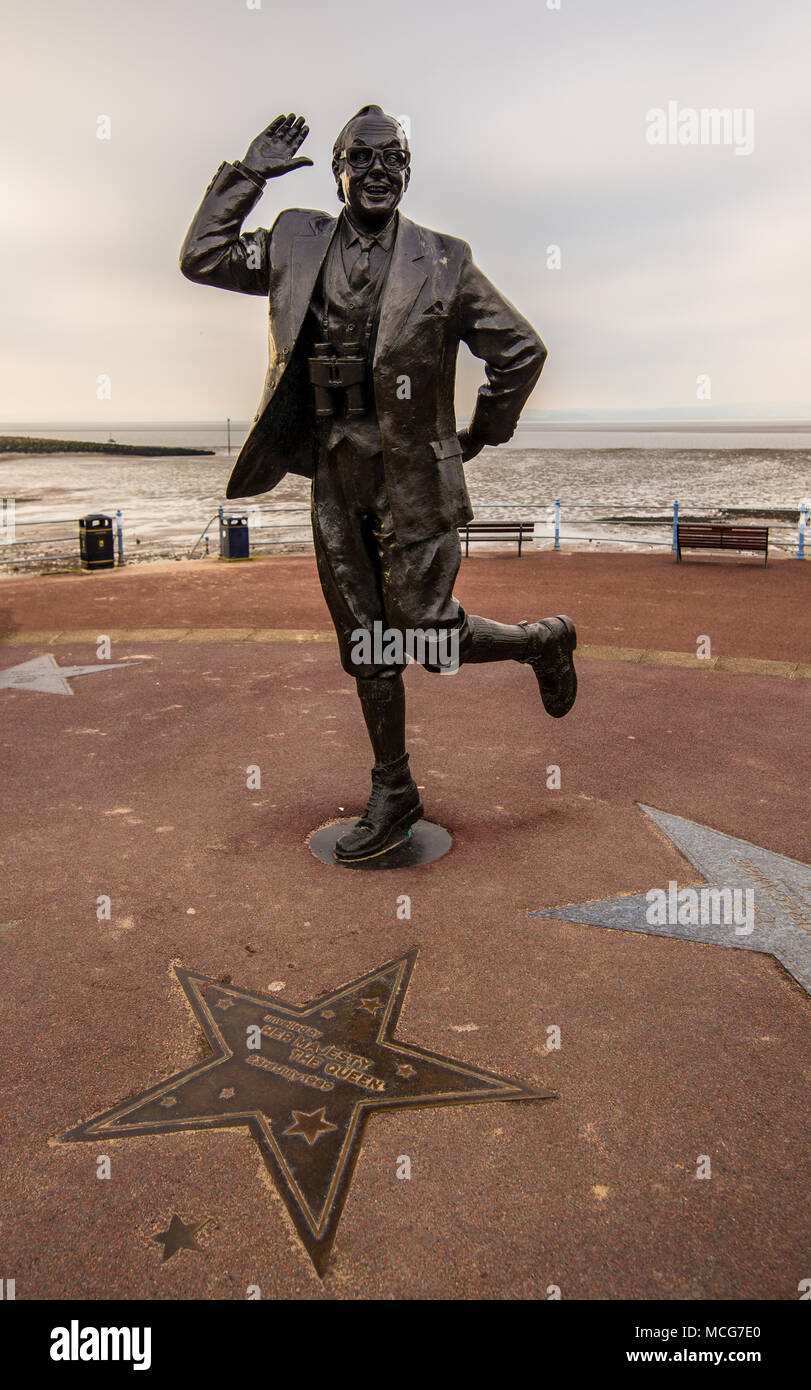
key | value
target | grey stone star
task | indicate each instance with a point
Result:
(43, 674)
(781, 898)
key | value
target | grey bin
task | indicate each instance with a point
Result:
(235, 541)
(96, 548)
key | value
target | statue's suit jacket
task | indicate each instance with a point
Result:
(434, 298)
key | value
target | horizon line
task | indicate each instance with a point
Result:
(697, 425)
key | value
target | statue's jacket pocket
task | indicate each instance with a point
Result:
(446, 448)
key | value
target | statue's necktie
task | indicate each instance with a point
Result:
(361, 270)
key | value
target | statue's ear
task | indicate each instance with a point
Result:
(407, 179)
(336, 174)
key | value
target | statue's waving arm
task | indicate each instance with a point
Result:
(215, 250)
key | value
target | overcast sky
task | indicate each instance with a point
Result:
(528, 129)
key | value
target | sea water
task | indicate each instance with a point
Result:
(616, 486)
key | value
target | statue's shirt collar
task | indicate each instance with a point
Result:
(351, 236)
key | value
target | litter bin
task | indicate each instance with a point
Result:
(96, 542)
(235, 543)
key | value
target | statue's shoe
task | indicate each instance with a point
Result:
(551, 647)
(393, 807)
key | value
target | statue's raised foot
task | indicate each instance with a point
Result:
(550, 654)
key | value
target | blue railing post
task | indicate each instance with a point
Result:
(675, 526)
(801, 533)
(557, 523)
(219, 513)
(119, 535)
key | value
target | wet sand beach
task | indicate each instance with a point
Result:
(608, 495)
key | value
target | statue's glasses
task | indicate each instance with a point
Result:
(363, 157)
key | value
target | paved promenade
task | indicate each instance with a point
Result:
(676, 1057)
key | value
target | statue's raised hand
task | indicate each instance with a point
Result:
(274, 151)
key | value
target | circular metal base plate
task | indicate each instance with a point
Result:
(426, 843)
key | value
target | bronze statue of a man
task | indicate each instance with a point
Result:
(367, 311)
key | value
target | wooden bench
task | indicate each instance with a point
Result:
(497, 531)
(695, 535)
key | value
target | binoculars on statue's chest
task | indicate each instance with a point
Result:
(338, 377)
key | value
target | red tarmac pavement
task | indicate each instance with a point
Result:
(625, 600)
(135, 787)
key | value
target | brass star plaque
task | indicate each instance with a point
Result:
(303, 1078)
(179, 1235)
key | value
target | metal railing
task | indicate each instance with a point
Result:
(652, 516)
(552, 514)
(672, 521)
(10, 540)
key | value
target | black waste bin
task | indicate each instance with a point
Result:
(235, 544)
(96, 547)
